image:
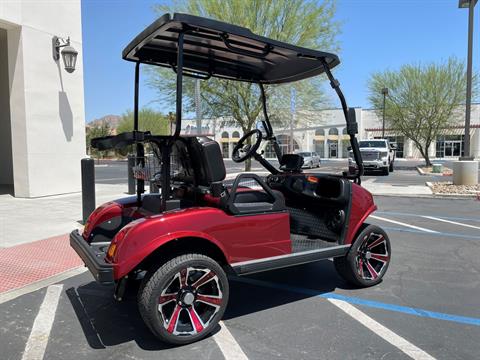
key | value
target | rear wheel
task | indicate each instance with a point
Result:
(184, 299)
(367, 260)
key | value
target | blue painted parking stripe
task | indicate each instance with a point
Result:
(419, 215)
(363, 302)
(442, 234)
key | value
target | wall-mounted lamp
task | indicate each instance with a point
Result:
(69, 54)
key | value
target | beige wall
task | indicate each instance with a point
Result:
(46, 102)
(6, 170)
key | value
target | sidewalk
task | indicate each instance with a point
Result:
(26, 220)
(377, 188)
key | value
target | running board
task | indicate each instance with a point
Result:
(281, 261)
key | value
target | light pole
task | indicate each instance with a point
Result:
(385, 93)
(470, 4)
(198, 107)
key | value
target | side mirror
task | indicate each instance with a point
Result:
(260, 125)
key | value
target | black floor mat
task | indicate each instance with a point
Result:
(306, 223)
(304, 243)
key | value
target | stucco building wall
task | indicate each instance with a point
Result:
(46, 103)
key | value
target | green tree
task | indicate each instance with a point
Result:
(422, 99)
(94, 131)
(304, 23)
(148, 120)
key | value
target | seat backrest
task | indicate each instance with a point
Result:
(207, 161)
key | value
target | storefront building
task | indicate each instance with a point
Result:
(325, 132)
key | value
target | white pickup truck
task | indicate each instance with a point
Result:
(377, 154)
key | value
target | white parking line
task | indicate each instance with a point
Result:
(38, 339)
(451, 222)
(386, 334)
(404, 224)
(227, 344)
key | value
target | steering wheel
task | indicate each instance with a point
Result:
(245, 149)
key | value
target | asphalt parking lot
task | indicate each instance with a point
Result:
(115, 172)
(427, 305)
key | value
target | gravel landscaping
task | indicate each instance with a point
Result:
(447, 187)
(427, 170)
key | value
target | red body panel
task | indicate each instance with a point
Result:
(240, 238)
(362, 206)
(102, 213)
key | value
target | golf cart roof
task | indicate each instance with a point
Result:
(214, 48)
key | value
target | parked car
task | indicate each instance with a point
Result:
(182, 241)
(377, 154)
(310, 159)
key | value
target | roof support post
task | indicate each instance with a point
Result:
(178, 122)
(352, 126)
(138, 145)
(135, 99)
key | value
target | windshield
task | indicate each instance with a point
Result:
(371, 143)
(304, 154)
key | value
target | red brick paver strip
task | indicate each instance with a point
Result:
(27, 263)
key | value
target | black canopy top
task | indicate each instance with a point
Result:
(214, 48)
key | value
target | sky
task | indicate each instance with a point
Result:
(375, 35)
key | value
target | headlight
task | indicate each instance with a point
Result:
(383, 154)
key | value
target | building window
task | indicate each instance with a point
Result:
(285, 144)
(449, 146)
(333, 143)
(225, 152)
(398, 141)
(236, 135)
(345, 143)
(225, 142)
(319, 142)
(269, 152)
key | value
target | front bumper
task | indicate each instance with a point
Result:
(93, 256)
(374, 164)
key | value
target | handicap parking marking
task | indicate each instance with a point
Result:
(404, 224)
(363, 302)
(388, 335)
(42, 326)
(450, 222)
(229, 347)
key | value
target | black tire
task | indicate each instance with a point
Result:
(385, 171)
(163, 278)
(390, 168)
(348, 267)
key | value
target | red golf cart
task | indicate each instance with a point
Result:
(184, 240)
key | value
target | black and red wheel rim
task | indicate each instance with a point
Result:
(190, 301)
(372, 257)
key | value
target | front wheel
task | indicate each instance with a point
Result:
(184, 299)
(367, 260)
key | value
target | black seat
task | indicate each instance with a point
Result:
(291, 163)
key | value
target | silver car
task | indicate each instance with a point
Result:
(310, 159)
